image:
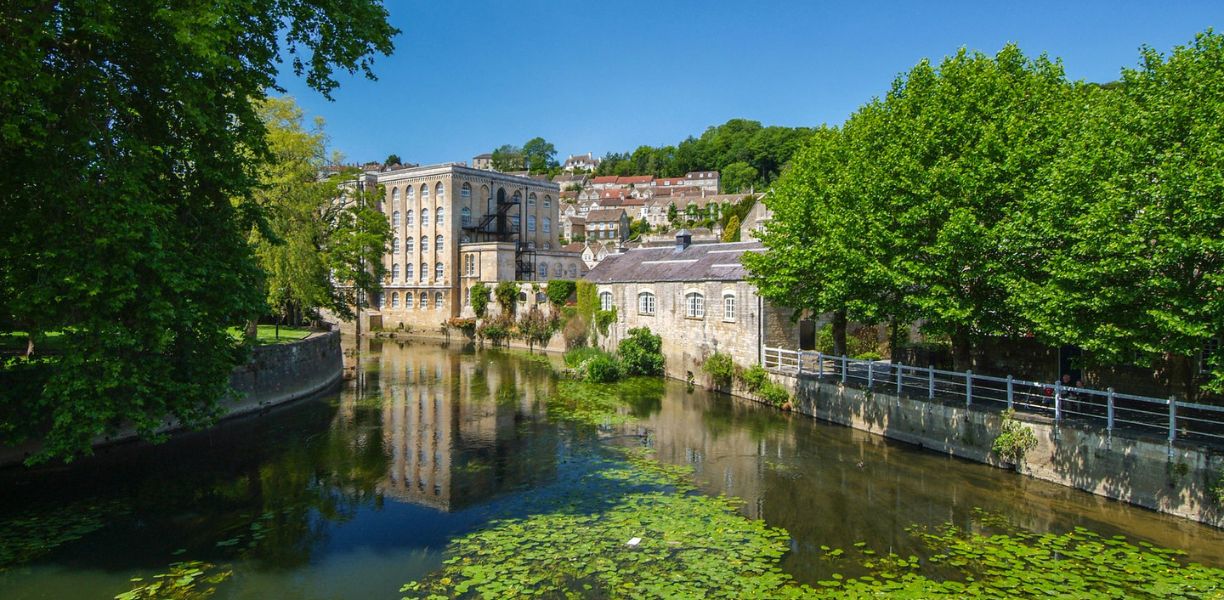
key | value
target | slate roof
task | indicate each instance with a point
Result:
(698, 262)
(604, 215)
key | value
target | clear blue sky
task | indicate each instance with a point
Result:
(609, 76)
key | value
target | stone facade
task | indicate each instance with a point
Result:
(439, 248)
(697, 298)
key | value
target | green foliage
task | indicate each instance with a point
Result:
(577, 356)
(604, 319)
(721, 369)
(145, 118)
(641, 353)
(587, 297)
(737, 177)
(467, 326)
(560, 290)
(480, 299)
(315, 228)
(731, 232)
(1015, 439)
(392, 159)
(537, 328)
(575, 330)
(1216, 491)
(191, 580)
(754, 378)
(497, 330)
(691, 544)
(506, 293)
(540, 154)
(34, 533)
(774, 394)
(753, 154)
(601, 368)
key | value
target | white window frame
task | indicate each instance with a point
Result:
(730, 307)
(648, 303)
(694, 305)
(605, 301)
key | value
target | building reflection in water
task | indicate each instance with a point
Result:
(461, 428)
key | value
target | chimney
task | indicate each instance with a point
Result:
(683, 240)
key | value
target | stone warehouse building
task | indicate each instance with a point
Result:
(453, 226)
(697, 297)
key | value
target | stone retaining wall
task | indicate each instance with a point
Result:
(275, 374)
(1174, 479)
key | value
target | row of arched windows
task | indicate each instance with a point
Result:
(558, 271)
(439, 218)
(439, 301)
(694, 304)
(410, 243)
(439, 271)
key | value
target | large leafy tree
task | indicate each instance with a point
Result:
(128, 151)
(325, 237)
(1130, 229)
(540, 154)
(961, 153)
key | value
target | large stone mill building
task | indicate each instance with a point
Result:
(453, 226)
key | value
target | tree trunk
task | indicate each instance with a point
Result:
(898, 335)
(962, 349)
(839, 332)
(29, 353)
(252, 329)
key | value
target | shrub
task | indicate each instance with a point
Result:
(603, 368)
(720, 368)
(467, 326)
(496, 330)
(575, 331)
(480, 299)
(537, 328)
(774, 394)
(641, 352)
(577, 356)
(506, 293)
(872, 355)
(604, 318)
(560, 290)
(1015, 439)
(754, 378)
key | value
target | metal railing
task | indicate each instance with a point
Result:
(1172, 418)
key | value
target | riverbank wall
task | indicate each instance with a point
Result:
(275, 374)
(1174, 478)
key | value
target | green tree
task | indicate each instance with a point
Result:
(506, 293)
(560, 290)
(537, 328)
(480, 299)
(393, 159)
(672, 214)
(731, 233)
(960, 153)
(508, 158)
(540, 154)
(737, 177)
(1127, 237)
(144, 116)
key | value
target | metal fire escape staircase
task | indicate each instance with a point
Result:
(495, 226)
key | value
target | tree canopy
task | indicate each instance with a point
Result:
(128, 156)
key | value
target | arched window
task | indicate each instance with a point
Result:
(438, 271)
(466, 216)
(729, 307)
(395, 244)
(424, 301)
(408, 295)
(409, 194)
(556, 269)
(531, 223)
(439, 192)
(573, 271)
(467, 296)
(487, 194)
(605, 301)
(694, 305)
(438, 244)
(395, 216)
(424, 217)
(424, 243)
(518, 198)
(547, 225)
(531, 199)
(438, 216)
(465, 192)
(646, 303)
(395, 272)
(408, 218)
(424, 193)
(437, 299)
(515, 222)
(543, 271)
(394, 197)
(409, 245)
(394, 299)
(547, 201)
(424, 273)
(408, 272)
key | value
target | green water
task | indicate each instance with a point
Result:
(354, 494)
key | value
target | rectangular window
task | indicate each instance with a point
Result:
(729, 308)
(694, 305)
(646, 303)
